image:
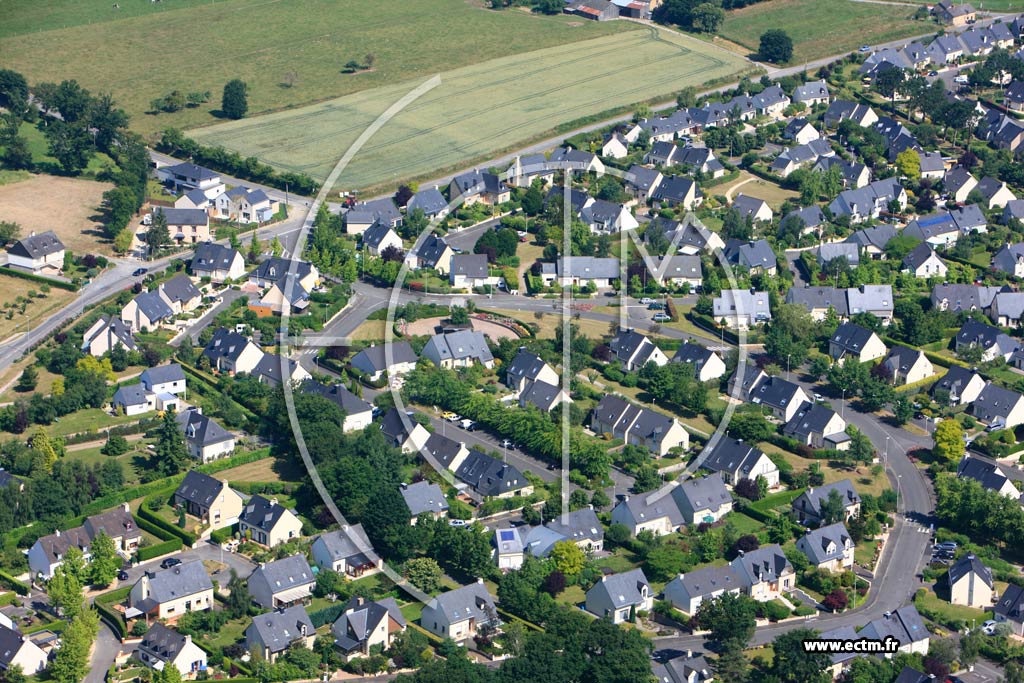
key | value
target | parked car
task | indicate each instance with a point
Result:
(468, 425)
(865, 48)
(662, 317)
(122, 575)
(948, 545)
(447, 415)
(170, 562)
(989, 628)
(818, 397)
(139, 271)
(646, 301)
(456, 522)
(656, 307)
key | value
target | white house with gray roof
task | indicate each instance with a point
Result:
(217, 262)
(634, 350)
(812, 93)
(970, 583)
(687, 591)
(923, 262)
(766, 573)
(581, 271)
(907, 366)
(677, 270)
(365, 625)
(267, 522)
(703, 500)
(432, 252)
(274, 633)
(829, 548)
(346, 551)
(205, 439)
(742, 308)
(903, 624)
(998, 408)
(818, 426)
(163, 646)
(783, 397)
(211, 500)
(851, 341)
(169, 593)
(282, 583)
(639, 426)
(468, 271)
(654, 511)
(736, 460)
(458, 350)
(458, 614)
(424, 498)
(707, 364)
(809, 505)
(380, 237)
(396, 359)
(961, 385)
(105, 335)
(40, 253)
(358, 413)
(619, 597)
(527, 367)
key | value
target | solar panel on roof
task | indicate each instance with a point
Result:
(506, 535)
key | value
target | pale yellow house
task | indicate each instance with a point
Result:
(169, 593)
(970, 583)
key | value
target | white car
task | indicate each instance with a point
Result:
(989, 628)
(646, 301)
(961, 79)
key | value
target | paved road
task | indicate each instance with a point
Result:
(103, 655)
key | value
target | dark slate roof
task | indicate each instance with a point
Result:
(268, 369)
(747, 205)
(675, 188)
(262, 513)
(812, 418)
(690, 352)
(183, 216)
(187, 168)
(394, 427)
(541, 394)
(578, 525)
(811, 90)
(577, 198)
(201, 429)
(976, 332)
(375, 234)
(876, 236)
(431, 201)
(199, 488)
(767, 563)
(851, 337)
(752, 254)
(901, 359)
(961, 297)
(489, 476)
(918, 255)
(211, 256)
(588, 267)
(431, 250)
(282, 575)
(339, 395)
(641, 177)
(424, 496)
(184, 579)
(775, 392)
(375, 357)
(274, 268)
(904, 624)
(163, 641)
(525, 365)
(442, 448)
(626, 342)
(345, 544)
(812, 216)
(994, 403)
(116, 329)
(955, 379)
(130, 395)
(225, 343)
(476, 181)
(161, 374)
(813, 498)
(37, 246)
(360, 619)
(709, 580)
(1011, 603)
(460, 345)
(987, 473)
(730, 455)
(153, 306)
(381, 210)
(970, 564)
(469, 265)
(911, 675)
(818, 541)
(702, 493)
(277, 630)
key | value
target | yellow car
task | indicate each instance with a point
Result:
(447, 415)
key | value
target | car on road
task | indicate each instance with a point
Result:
(646, 301)
(656, 307)
(865, 48)
(989, 628)
(455, 417)
(447, 415)
(962, 79)
(933, 73)
(468, 425)
(139, 271)
(662, 317)
(507, 443)
(948, 545)
(170, 562)
(456, 522)
(819, 397)
(122, 575)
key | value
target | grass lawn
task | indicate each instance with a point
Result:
(412, 611)
(572, 596)
(620, 561)
(259, 470)
(744, 524)
(864, 553)
(7, 176)
(370, 330)
(862, 478)
(39, 147)
(131, 462)
(39, 308)
(479, 109)
(934, 603)
(820, 28)
(551, 320)
(139, 54)
(45, 381)
(85, 420)
(753, 186)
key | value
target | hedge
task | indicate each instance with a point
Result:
(113, 619)
(327, 615)
(59, 284)
(519, 620)
(221, 535)
(707, 323)
(157, 531)
(151, 551)
(187, 537)
(57, 626)
(19, 587)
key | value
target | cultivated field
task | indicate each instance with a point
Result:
(68, 206)
(820, 28)
(146, 49)
(11, 288)
(477, 110)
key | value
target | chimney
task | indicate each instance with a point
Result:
(273, 501)
(360, 601)
(57, 533)
(480, 581)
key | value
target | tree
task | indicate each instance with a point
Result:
(424, 573)
(70, 145)
(729, 618)
(949, 441)
(887, 83)
(235, 100)
(105, 561)
(28, 380)
(793, 664)
(171, 455)
(568, 558)
(836, 600)
(65, 591)
(13, 90)
(664, 562)
(707, 17)
(116, 445)
(71, 663)
(902, 410)
(44, 452)
(731, 666)
(158, 235)
(237, 602)
(908, 162)
(108, 120)
(776, 46)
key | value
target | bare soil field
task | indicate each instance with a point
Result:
(68, 206)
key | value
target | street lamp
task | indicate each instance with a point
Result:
(842, 405)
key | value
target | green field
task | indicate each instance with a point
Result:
(477, 110)
(820, 28)
(146, 49)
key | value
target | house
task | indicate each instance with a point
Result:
(360, 217)
(615, 146)
(903, 624)
(874, 239)
(684, 669)
(544, 396)
(211, 500)
(40, 253)
(476, 186)
(162, 647)
(527, 367)
(783, 397)
(146, 311)
(448, 453)
(801, 156)
(958, 184)
(180, 294)
(809, 505)
(870, 201)
(1010, 608)
(703, 500)
(1007, 309)
(468, 271)
(757, 256)
(424, 498)
(193, 199)
(287, 294)
(687, 591)
(217, 262)
(950, 12)
(508, 549)
(960, 384)
(907, 365)
(595, 10)
(430, 201)
(820, 300)
(840, 662)
(931, 165)
(942, 229)
(829, 548)
(105, 335)
(677, 191)
(133, 399)
(245, 205)
(274, 633)
(458, 350)
(48, 552)
(811, 218)
(169, 593)
(408, 439)
(16, 650)
(492, 478)
(433, 253)
(633, 350)
(459, 614)
(818, 426)
(690, 236)
(275, 269)
(619, 597)
(830, 251)
(164, 379)
(753, 208)
(992, 341)
(953, 297)
(741, 308)
(365, 625)
(812, 93)
(187, 176)
(736, 461)
(576, 160)
(394, 359)
(989, 474)
(1013, 98)
(1010, 259)
(380, 237)
(707, 364)
(994, 193)
(603, 217)
(655, 431)
(205, 439)
(970, 583)
(841, 110)
(275, 370)
(267, 522)
(186, 226)
(582, 527)
(1002, 34)
(642, 181)
(358, 413)
(231, 353)
(654, 511)
(742, 383)
(581, 271)
(282, 583)
(766, 573)
(346, 551)
(771, 101)
(850, 340)
(998, 408)
(923, 262)
(853, 174)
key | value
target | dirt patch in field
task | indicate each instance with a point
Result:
(68, 206)
(496, 332)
